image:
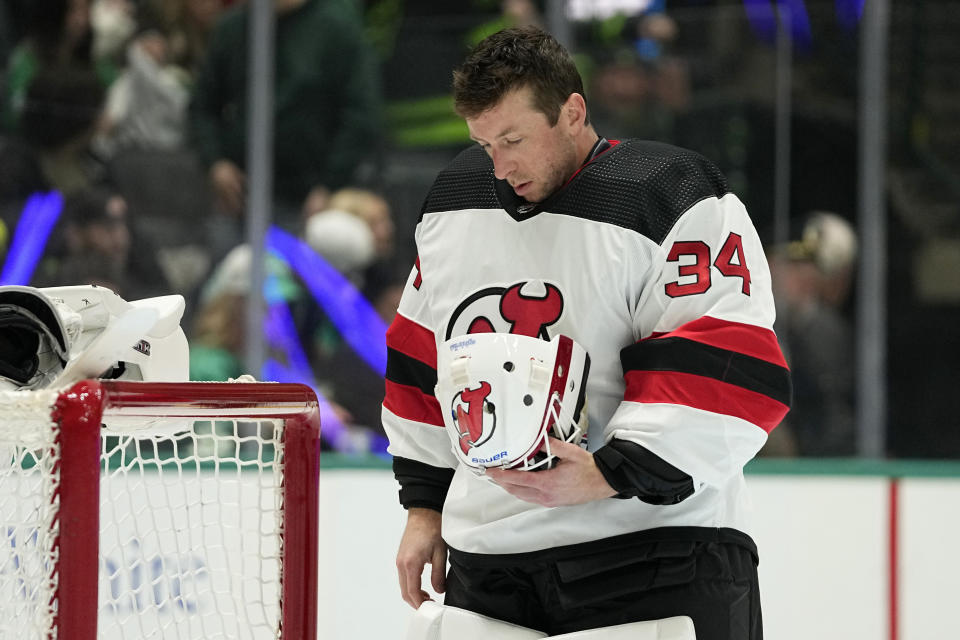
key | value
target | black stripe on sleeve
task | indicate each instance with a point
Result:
(421, 485)
(403, 369)
(688, 356)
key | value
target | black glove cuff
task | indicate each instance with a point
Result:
(633, 471)
(421, 485)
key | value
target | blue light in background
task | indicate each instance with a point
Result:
(763, 20)
(353, 316)
(849, 13)
(281, 332)
(40, 213)
(355, 319)
(800, 29)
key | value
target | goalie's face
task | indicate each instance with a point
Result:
(533, 156)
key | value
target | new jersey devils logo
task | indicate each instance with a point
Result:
(525, 308)
(474, 416)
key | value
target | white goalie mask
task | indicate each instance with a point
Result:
(53, 337)
(504, 395)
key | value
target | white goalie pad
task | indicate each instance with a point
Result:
(503, 396)
(434, 621)
(677, 628)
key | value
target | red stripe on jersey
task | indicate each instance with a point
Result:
(704, 393)
(412, 339)
(747, 339)
(411, 403)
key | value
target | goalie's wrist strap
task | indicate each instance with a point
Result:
(421, 485)
(633, 471)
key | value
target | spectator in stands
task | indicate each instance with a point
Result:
(356, 235)
(60, 117)
(147, 104)
(812, 278)
(344, 240)
(639, 87)
(348, 244)
(113, 23)
(373, 209)
(54, 91)
(59, 38)
(216, 343)
(94, 244)
(326, 109)
(356, 386)
(186, 24)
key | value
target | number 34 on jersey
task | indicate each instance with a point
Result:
(695, 259)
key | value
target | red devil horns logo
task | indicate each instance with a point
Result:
(530, 316)
(525, 308)
(470, 422)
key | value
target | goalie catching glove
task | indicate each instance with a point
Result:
(503, 395)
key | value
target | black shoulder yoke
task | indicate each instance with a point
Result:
(466, 183)
(640, 185)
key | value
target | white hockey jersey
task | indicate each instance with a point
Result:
(647, 261)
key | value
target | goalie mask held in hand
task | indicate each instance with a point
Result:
(503, 395)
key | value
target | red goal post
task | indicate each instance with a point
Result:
(170, 509)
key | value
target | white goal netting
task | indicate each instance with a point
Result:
(191, 521)
(29, 483)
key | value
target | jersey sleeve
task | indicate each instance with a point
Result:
(706, 380)
(423, 460)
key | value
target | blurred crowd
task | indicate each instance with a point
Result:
(136, 112)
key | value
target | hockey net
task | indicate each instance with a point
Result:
(159, 510)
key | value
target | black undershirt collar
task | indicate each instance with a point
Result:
(519, 209)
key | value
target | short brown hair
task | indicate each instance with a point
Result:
(512, 59)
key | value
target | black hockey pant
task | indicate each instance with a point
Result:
(715, 583)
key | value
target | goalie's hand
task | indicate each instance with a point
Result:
(420, 545)
(574, 479)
